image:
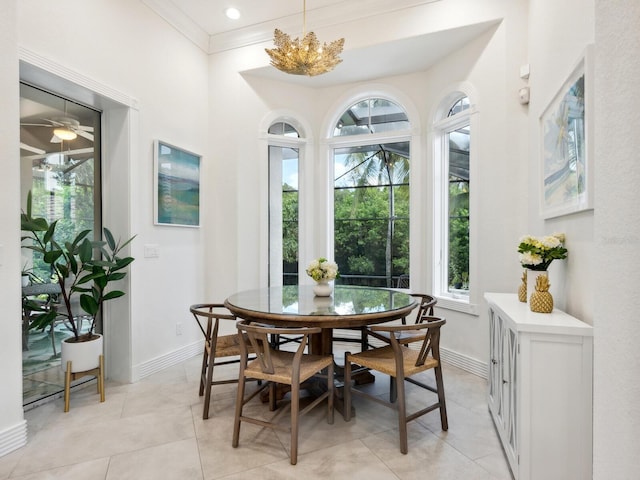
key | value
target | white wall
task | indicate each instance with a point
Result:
(559, 32)
(616, 241)
(12, 424)
(490, 64)
(125, 47)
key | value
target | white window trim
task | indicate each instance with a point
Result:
(305, 183)
(461, 303)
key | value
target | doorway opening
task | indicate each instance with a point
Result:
(60, 166)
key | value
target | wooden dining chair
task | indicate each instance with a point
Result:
(401, 363)
(280, 367)
(208, 317)
(425, 310)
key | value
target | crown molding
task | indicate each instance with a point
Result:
(263, 32)
(181, 22)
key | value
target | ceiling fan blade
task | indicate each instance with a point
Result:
(29, 148)
(35, 125)
(84, 134)
(86, 128)
(55, 139)
(55, 123)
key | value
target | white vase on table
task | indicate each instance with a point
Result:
(322, 288)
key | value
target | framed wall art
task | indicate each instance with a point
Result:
(565, 125)
(176, 186)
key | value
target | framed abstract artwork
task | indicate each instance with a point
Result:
(566, 167)
(176, 186)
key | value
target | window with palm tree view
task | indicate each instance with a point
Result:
(371, 196)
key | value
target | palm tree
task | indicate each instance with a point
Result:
(387, 165)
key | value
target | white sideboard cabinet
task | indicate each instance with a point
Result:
(540, 389)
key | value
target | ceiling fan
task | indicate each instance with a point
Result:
(64, 128)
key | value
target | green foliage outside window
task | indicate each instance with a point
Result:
(70, 202)
(371, 215)
(459, 235)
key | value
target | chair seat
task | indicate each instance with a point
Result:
(228, 345)
(282, 361)
(383, 360)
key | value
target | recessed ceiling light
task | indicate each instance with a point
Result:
(232, 13)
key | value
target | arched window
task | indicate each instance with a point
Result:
(283, 204)
(452, 226)
(371, 152)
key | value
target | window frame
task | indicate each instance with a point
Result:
(442, 127)
(274, 273)
(334, 142)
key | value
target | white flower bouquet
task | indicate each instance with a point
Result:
(538, 253)
(322, 269)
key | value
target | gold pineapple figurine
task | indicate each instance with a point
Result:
(541, 300)
(522, 290)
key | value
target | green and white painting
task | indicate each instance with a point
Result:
(565, 172)
(177, 186)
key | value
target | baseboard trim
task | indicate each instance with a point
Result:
(468, 364)
(168, 360)
(13, 438)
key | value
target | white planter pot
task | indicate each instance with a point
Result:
(83, 355)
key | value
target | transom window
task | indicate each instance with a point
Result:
(373, 115)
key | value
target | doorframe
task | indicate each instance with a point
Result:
(120, 119)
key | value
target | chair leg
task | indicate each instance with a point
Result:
(330, 392)
(209, 380)
(295, 410)
(364, 339)
(272, 397)
(402, 415)
(203, 371)
(347, 388)
(393, 390)
(443, 405)
(238, 414)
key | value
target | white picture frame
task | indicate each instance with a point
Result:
(566, 167)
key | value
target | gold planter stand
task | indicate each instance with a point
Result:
(69, 377)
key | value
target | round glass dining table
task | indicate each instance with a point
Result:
(296, 305)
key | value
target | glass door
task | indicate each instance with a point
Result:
(60, 165)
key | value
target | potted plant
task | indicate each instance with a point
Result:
(82, 268)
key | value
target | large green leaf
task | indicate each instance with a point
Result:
(52, 256)
(88, 304)
(85, 251)
(42, 320)
(113, 294)
(110, 240)
(50, 232)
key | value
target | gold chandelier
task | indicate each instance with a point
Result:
(304, 56)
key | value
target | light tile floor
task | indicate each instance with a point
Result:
(153, 429)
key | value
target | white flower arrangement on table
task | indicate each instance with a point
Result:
(323, 269)
(538, 253)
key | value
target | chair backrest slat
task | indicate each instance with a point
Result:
(427, 302)
(261, 345)
(258, 337)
